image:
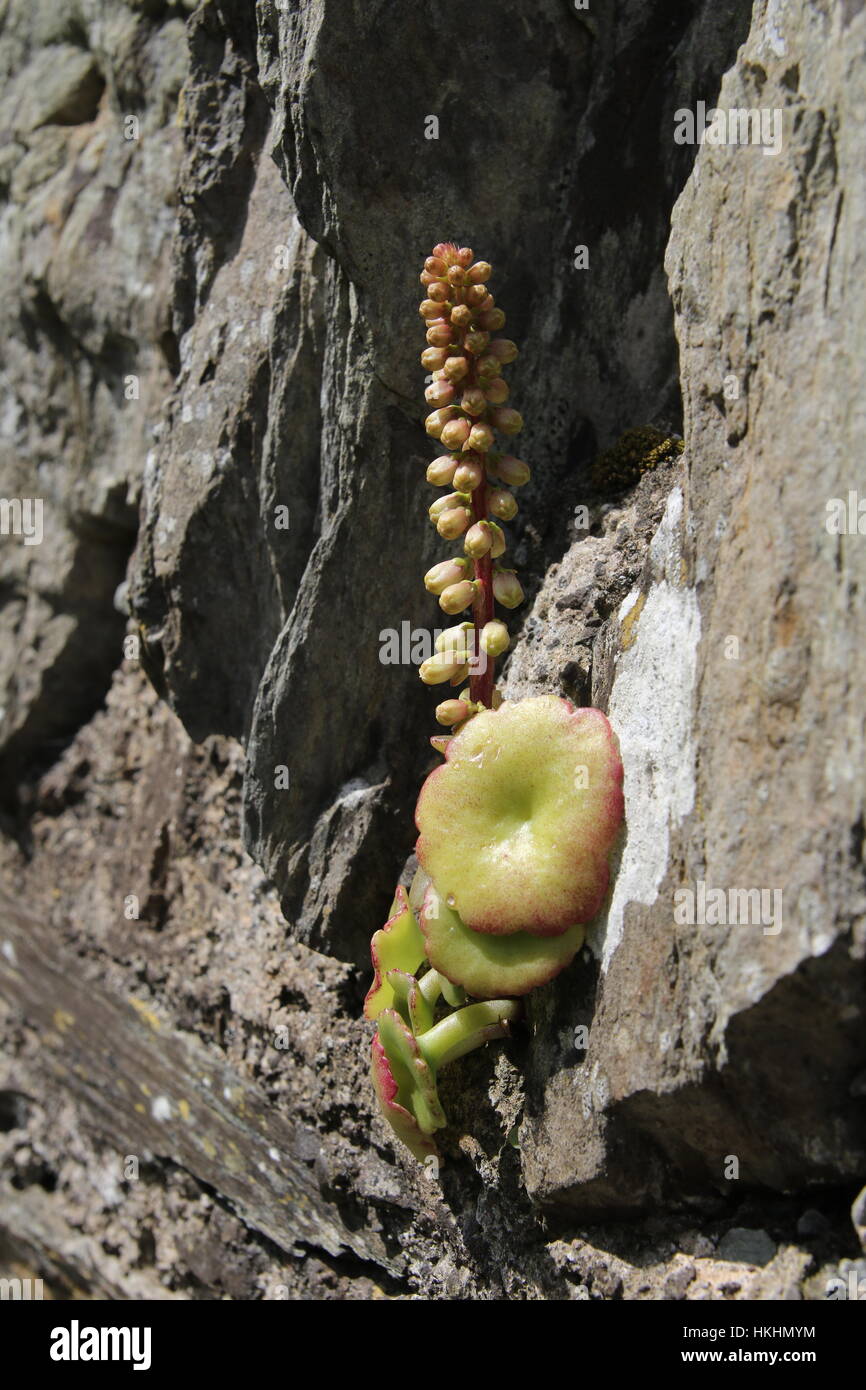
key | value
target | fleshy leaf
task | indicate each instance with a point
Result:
(405, 1085)
(399, 945)
(489, 966)
(517, 825)
(409, 1001)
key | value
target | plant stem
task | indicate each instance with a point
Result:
(467, 1029)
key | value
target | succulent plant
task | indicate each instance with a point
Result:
(517, 824)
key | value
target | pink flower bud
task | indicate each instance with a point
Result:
(456, 275)
(478, 539)
(504, 349)
(461, 316)
(439, 393)
(445, 504)
(441, 471)
(464, 257)
(442, 666)
(439, 294)
(488, 302)
(476, 342)
(426, 278)
(445, 575)
(457, 596)
(488, 367)
(455, 368)
(512, 471)
(439, 334)
(453, 523)
(429, 309)
(473, 401)
(479, 272)
(480, 437)
(456, 639)
(507, 589)
(435, 265)
(507, 420)
(434, 358)
(441, 251)
(494, 638)
(452, 712)
(474, 296)
(491, 319)
(496, 391)
(498, 546)
(455, 433)
(502, 504)
(436, 422)
(468, 475)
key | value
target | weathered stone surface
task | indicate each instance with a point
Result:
(86, 345)
(729, 673)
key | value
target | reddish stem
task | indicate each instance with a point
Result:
(481, 684)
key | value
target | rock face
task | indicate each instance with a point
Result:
(703, 1058)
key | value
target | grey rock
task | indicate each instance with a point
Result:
(858, 1216)
(742, 1246)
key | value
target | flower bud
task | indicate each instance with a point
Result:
(504, 350)
(488, 367)
(445, 504)
(439, 294)
(440, 667)
(512, 471)
(455, 368)
(456, 275)
(479, 272)
(434, 358)
(494, 638)
(455, 433)
(445, 575)
(439, 393)
(488, 302)
(429, 309)
(455, 639)
(498, 547)
(480, 437)
(461, 316)
(453, 522)
(502, 504)
(496, 391)
(474, 296)
(426, 278)
(475, 342)
(457, 596)
(507, 420)
(490, 319)
(441, 471)
(507, 589)
(464, 257)
(441, 251)
(452, 712)
(438, 419)
(435, 265)
(478, 539)
(473, 401)
(439, 334)
(468, 476)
